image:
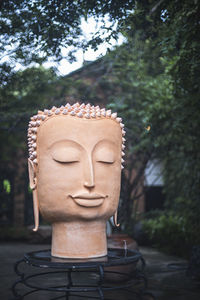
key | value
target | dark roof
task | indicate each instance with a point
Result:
(88, 66)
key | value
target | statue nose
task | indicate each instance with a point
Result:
(89, 184)
(89, 175)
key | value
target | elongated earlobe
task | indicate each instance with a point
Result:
(115, 219)
(33, 186)
(36, 210)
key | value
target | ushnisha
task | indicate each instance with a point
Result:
(85, 111)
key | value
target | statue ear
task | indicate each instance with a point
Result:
(33, 186)
(32, 175)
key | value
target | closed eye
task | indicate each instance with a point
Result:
(106, 161)
(65, 152)
(66, 161)
(104, 153)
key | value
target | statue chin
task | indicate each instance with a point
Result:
(76, 178)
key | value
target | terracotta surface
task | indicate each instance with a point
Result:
(76, 182)
(120, 240)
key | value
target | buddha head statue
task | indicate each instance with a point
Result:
(75, 161)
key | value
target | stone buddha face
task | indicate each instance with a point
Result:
(79, 168)
(75, 164)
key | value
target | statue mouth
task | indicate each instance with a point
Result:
(89, 200)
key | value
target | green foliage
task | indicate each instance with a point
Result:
(35, 31)
(143, 96)
(175, 124)
(156, 75)
(6, 185)
(20, 98)
(172, 232)
(167, 231)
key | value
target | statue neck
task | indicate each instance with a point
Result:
(80, 239)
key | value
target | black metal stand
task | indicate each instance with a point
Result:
(101, 278)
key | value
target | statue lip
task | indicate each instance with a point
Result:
(90, 196)
(89, 199)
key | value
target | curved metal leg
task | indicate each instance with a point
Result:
(16, 269)
(70, 283)
(18, 281)
(100, 282)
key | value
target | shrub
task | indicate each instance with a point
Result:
(172, 232)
